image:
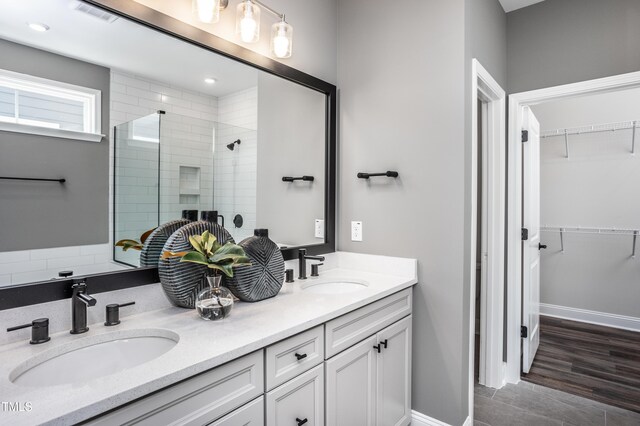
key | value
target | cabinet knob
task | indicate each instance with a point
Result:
(301, 421)
(300, 356)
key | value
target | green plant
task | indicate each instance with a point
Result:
(127, 244)
(208, 251)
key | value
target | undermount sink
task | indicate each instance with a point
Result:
(335, 286)
(93, 357)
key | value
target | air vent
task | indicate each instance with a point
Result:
(96, 12)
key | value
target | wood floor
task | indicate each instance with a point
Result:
(595, 362)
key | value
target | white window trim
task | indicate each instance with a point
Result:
(91, 98)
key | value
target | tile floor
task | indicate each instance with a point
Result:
(526, 404)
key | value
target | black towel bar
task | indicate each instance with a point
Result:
(304, 178)
(368, 175)
(63, 180)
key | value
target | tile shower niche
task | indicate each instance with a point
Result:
(189, 185)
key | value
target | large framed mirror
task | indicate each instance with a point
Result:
(124, 134)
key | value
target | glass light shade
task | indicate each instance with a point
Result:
(207, 11)
(281, 39)
(248, 22)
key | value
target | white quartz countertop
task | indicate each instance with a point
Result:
(202, 345)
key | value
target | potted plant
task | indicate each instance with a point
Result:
(215, 302)
(127, 244)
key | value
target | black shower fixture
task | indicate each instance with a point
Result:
(232, 145)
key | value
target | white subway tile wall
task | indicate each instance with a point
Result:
(43, 264)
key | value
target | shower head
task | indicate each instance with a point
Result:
(232, 145)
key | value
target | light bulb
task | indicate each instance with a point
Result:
(280, 45)
(247, 29)
(281, 39)
(207, 11)
(248, 22)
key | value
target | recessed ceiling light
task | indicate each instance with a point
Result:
(209, 80)
(37, 26)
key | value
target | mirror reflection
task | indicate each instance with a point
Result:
(141, 127)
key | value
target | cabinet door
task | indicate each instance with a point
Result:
(393, 399)
(300, 401)
(251, 414)
(351, 385)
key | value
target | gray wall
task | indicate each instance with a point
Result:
(402, 83)
(564, 41)
(291, 142)
(596, 187)
(39, 214)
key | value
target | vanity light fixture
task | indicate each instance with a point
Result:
(209, 80)
(248, 23)
(38, 26)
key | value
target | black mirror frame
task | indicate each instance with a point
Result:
(47, 291)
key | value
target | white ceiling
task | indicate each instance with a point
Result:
(122, 45)
(511, 5)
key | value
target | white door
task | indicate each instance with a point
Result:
(531, 246)
(393, 401)
(351, 385)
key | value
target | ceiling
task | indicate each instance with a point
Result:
(122, 45)
(511, 5)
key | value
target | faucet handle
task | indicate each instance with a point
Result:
(39, 330)
(314, 269)
(113, 313)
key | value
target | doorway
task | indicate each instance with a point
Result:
(487, 230)
(522, 306)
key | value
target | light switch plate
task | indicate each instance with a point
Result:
(319, 228)
(356, 231)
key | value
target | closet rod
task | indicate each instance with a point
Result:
(601, 231)
(596, 128)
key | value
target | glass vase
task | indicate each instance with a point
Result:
(215, 302)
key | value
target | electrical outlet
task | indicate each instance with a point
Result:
(356, 231)
(319, 228)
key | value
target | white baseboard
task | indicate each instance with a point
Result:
(592, 317)
(419, 419)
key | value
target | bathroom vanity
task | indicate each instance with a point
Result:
(329, 350)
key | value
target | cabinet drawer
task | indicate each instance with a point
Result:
(300, 401)
(355, 326)
(196, 401)
(293, 356)
(251, 414)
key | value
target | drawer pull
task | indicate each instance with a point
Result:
(300, 356)
(377, 347)
(301, 421)
(384, 342)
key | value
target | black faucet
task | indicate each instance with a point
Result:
(302, 263)
(79, 303)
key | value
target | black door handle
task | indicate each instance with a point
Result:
(301, 421)
(300, 356)
(541, 246)
(384, 342)
(377, 347)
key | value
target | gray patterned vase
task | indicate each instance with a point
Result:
(152, 249)
(183, 281)
(264, 277)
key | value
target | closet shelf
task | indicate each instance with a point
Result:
(596, 128)
(602, 231)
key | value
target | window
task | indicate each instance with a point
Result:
(39, 106)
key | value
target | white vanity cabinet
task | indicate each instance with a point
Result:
(352, 370)
(370, 382)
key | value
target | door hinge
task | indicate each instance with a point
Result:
(525, 234)
(524, 332)
(525, 136)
